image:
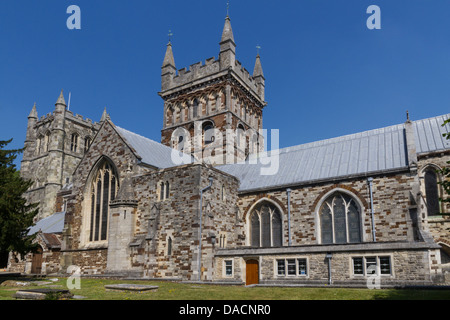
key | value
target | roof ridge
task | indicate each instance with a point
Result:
(141, 136)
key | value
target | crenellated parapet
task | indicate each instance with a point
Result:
(212, 70)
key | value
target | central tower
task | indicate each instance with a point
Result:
(213, 110)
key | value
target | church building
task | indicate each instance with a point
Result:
(208, 204)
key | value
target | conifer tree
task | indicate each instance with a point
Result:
(16, 215)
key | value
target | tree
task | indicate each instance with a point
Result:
(445, 172)
(16, 215)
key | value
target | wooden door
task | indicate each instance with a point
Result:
(36, 263)
(252, 272)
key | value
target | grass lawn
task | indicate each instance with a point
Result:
(93, 289)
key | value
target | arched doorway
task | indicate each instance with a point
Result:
(36, 262)
(252, 272)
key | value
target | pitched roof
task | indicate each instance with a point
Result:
(51, 224)
(359, 154)
(429, 134)
(153, 153)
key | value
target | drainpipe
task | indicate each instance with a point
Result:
(329, 256)
(288, 192)
(200, 229)
(370, 180)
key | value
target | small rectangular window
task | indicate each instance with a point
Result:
(291, 267)
(302, 267)
(281, 267)
(358, 266)
(385, 265)
(228, 268)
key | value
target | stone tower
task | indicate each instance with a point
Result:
(54, 146)
(213, 110)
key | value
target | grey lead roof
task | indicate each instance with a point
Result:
(359, 154)
(428, 134)
(51, 224)
(151, 152)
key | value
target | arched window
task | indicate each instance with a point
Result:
(87, 143)
(208, 132)
(265, 226)
(432, 191)
(74, 142)
(340, 219)
(39, 143)
(161, 191)
(195, 108)
(169, 246)
(47, 142)
(167, 190)
(240, 136)
(104, 189)
(164, 190)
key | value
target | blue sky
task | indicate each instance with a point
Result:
(326, 73)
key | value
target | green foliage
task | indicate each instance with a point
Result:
(445, 172)
(16, 216)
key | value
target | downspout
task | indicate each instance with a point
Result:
(370, 181)
(200, 229)
(329, 256)
(288, 192)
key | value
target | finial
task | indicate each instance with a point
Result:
(228, 8)
(61, 99)
(258, 47)
(407, 115)
(170, 34)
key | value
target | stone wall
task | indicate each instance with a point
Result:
(409, 264)
(177, 218)
(391, 199)
(438, 226)
(77, 250)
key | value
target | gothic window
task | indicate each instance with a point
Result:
(104, 189)
(195, 108)
(74, 142)
(432, 192)
(265, 226)
(167, 190)
(340, 219)
(161, 191)
(169, 246)
(87, 143)
(208, 132)
(240, 136)
(222, 193)
(164, 190)
(39, 144)
(46, 142)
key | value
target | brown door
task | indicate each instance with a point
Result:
(252, 272)
(36, 263)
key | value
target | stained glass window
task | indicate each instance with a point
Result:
(340, 220)
(255, 230)
(266, 226)
(431, 192)
(103, 190)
